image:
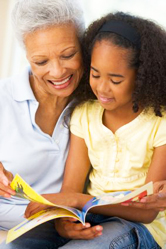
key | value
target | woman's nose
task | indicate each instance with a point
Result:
(56, 69)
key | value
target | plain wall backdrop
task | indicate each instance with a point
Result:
(13, 59)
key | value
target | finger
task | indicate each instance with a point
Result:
(9, 176)
(164, 187)
(91, 232)
(157, 200)
(3, 177)
(34, 208)
(159, 186)
(31, 206)
(6, 191)
(151, 202)
(150, 199)
(162, 195)
(71, 219)
(79, 231)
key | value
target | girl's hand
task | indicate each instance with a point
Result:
(5, 179)
(66, 227)
(156, 201)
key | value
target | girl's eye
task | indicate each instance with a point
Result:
(95, 76)
(41, 63)
(116, 82)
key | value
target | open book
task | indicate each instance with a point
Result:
(23, 190)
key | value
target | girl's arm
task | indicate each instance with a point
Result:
(156, 201)
(157, 174)
(77, 168)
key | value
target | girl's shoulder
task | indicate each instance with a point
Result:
(88, 106)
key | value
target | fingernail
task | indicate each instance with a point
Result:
(98, 228)
(87, 225)
(143, 200)
(124, 204)
(99, 234)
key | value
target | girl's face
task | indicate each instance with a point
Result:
(111, 78)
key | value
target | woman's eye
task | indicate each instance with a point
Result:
(95, 76)
(41, 63)
(68, 56)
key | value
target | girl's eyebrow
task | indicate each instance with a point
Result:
(110, 74)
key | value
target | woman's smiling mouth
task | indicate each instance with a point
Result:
(61, 84)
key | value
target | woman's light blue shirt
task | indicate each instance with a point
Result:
(25, 149)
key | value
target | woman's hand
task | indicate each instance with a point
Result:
(157, 201)
(5, 179)
(67, 228)
(65, 199)
(33, 208)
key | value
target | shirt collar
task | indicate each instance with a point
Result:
(21, 88)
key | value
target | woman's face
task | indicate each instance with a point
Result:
(111, 78)
(55, 58)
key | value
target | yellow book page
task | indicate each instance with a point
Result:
(35, 220)
(23, 190)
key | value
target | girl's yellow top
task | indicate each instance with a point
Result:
(120, 160)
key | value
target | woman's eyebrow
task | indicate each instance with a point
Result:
(110, 74)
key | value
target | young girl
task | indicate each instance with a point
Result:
(122, 134)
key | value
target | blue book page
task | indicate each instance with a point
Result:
(75, 211)
(105, 199)
(118, 197)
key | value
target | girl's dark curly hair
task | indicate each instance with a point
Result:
(149, 60)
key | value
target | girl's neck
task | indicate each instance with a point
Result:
(113, 120)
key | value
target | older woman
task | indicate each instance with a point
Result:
(35, 107)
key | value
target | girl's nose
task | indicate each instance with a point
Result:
(104, 86)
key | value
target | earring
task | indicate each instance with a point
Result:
(135, 107)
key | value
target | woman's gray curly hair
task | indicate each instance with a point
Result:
(30, 15)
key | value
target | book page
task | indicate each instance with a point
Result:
(23, 190)
(35, 220)
(118, 197)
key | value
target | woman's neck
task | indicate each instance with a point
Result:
(49, 109)
(47, 99)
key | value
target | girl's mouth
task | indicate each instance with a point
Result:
(105, 99)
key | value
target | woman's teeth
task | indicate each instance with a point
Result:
(61, 82)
